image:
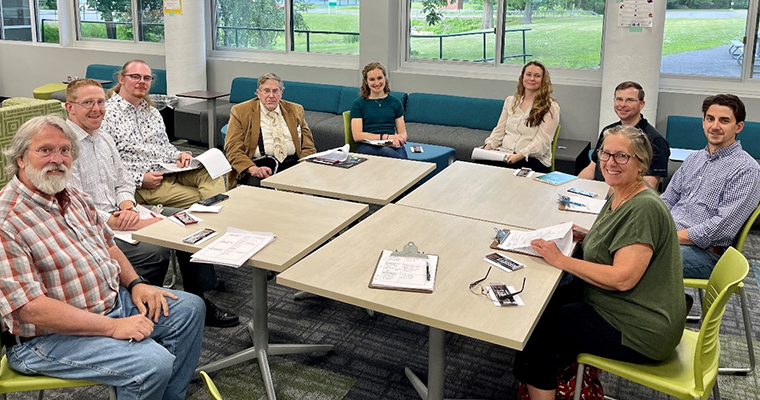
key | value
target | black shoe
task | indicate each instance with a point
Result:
(219, 318)
(689, 303)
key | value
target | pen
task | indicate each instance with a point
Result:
(572, 203)
(427, 269)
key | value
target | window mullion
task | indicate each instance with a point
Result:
(499, 32)
(751, 40)
(135, 23)
(289, 42)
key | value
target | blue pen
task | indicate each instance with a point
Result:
(572, 203)
(427, 269)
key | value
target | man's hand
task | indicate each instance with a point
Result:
(136, 327)
(151, 301)
(152, 180)
(124, 220)
(683, 238)
(145, 222)
(260, 172)
(183, 159)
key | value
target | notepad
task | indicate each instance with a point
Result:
(555, 178)
(416, 274)
(519, 241)
(582, 204)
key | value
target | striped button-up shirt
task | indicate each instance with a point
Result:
(712, 195)
(100, 173)
(140, 135)
(54, 248)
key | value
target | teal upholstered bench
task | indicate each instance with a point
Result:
(108, 73)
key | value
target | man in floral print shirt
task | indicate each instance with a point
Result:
(140, 135)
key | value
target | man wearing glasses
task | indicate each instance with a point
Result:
(140, 135)
(100, 173)
(629, 101)
(715, 190)
(266, 134)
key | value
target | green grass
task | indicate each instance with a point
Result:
(689, 34)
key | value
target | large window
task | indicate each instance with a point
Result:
(314, 26)
(116, 19)
(28, 20)
(560, 33)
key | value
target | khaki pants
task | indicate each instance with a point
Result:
(183, 189)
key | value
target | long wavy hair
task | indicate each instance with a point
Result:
(364, 91)
(543, 101)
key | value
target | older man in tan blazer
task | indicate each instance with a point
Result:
(266, 134)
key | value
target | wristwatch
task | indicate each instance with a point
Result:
(136, 281)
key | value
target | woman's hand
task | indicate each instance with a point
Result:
(548, 251)
(486, 147)
(395, 140)
(514, 158)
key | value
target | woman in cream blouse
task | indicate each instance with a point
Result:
(528, 121)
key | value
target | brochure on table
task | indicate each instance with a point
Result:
(519, 241)
(234, 248)
(213, 160)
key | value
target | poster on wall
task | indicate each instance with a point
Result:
(636, 13)
(173, 6)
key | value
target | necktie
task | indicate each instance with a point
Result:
(278, 137)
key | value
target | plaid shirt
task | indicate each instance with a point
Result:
(140, 136)
(711, 196)
(99, 172)
(52, 248)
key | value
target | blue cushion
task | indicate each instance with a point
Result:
(687, 133)
(109, 73)
(313, 96)
(243, 89)
(447, 110)
(442, 156)
(349, 94)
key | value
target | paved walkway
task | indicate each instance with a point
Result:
(711, 62)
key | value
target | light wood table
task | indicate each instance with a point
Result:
(342, 269)
(378, 180)
(494, 194)
(300, 223)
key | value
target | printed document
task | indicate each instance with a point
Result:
(519, 241)
(234, 248)
(213, 160)
(405, 273)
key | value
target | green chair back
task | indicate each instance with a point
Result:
(347, 130)
(742, 236)
(729, 272)
(554, 146)
(213, 392)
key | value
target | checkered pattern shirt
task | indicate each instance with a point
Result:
(100, 173)
(711, 196)
(140, 135)
(56, 249)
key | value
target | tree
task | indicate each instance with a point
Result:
(266, 15)
(432, 11)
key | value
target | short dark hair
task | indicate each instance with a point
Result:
(631, 84)
(728, 100)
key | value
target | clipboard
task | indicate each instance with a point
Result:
(501, 235)
(406, 270)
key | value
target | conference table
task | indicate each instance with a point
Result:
(461, 244)
(495, 194)
(378, 180)
(300, 223)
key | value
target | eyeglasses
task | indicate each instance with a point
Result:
(627, 101)
(137, 77)
(270, 91)
(478, 282)
(620, 158)
(49, 151)
(91, 103)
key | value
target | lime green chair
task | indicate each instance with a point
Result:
(554, 146)
(347, 130)
(698, 283)
(213, 392)
(13, 382)
(692, 371)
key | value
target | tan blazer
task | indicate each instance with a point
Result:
(243, 134)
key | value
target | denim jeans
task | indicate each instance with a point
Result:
(158, 367)
(698, 262)
(384, 151)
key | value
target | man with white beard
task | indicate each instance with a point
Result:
(74, 306)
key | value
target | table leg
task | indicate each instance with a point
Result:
(260, 332)
(436, 367)
(212, 124)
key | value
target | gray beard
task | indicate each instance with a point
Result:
(48, 184)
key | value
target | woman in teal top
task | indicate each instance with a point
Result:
(629, 301)
(377, 115)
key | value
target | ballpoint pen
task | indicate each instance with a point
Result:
(566, 200)
(427, 270)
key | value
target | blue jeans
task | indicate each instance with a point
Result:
(383, 151)
(158, 367)
(698, 262)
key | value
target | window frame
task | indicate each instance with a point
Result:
(135, 28)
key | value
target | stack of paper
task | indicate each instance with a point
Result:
(234, 248)
(213, 160)
(519, 241)
(337, 154)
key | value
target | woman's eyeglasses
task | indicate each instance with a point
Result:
(620, 158)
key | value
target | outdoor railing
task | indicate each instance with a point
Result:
(484, 33)
(308, 33)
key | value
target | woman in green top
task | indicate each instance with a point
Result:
(377, 115)
(628, 303)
